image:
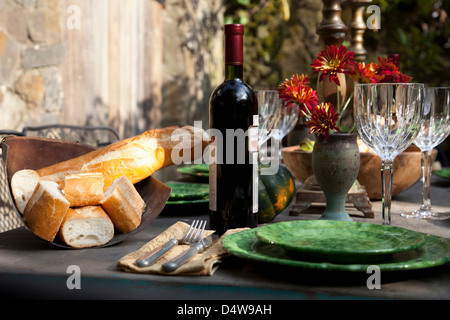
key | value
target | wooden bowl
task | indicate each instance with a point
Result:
(406, 169)
(298, 162)
(34, 153)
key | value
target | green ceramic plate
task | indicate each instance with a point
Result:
(196, 201)
(188, 191)
(244, 244)
(339, 241)
(443, 173)
(194, 172)
(203, 167)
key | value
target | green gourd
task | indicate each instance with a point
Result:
(275, 194)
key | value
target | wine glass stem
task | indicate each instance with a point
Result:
(386, 186)
(426, 180)
(276, 147)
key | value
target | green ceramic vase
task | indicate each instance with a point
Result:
(335, 164)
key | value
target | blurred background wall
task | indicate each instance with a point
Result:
(142, 64)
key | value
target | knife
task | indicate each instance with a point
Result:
(155, 254)
(195, 248)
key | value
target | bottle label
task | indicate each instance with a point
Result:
(253, 139)
(253, 147)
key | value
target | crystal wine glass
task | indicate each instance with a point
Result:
(388, 118)
(269, 106)
(288, 119)
(435, 128)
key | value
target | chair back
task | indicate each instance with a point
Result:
(92, 135)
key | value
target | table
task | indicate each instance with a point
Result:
(31, 268)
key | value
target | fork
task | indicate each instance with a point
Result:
(193, 235)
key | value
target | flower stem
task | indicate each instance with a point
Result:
(338, 105)
(347, 102)
(306, 114)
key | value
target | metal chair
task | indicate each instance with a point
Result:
(93, 135)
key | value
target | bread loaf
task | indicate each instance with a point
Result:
(86, 227)
(123, 204)
(23, 183)
(45, 210)
(84, 189)
(137, 157)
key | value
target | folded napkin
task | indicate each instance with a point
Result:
(203, 264)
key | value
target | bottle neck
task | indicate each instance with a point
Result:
(233, 71)
(234, 51)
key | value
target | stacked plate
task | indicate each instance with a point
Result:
(188, 193)
(443, 173)
(339, 245)
(200, 171)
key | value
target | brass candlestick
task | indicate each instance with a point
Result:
(357, 28)
(332, 29)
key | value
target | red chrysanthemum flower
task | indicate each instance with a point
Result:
(296, 90)
(403, 78)
(295, 81)
(387, 71)
(363, 73)
(333, 60)
(323, 120)
(383, 72)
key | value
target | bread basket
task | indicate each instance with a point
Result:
(34, 153)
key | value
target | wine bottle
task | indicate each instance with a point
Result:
(233, 113)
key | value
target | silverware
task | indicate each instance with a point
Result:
(195, 248)
(193, 235)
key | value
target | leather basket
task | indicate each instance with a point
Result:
(35, 153)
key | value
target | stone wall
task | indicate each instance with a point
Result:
(31, 53)
(36, 51)
(193, 59)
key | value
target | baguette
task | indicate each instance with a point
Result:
(23, 183)
(124, 205)
(137, 157)
(86, 227)
(84, 189)
(45, 210)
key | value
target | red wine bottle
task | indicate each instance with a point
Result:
(233, 178)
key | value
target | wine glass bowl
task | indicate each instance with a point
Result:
(436, 121)
(434, 129)
(276, 120)
(287, 122)
(288, 119)
(388, 117)
(269, 106)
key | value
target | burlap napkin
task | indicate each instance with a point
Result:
(203, 264)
